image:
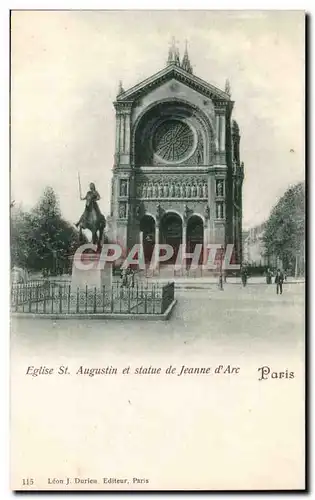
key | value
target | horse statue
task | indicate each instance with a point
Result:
(92, 218)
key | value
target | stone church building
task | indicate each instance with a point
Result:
(177, 175)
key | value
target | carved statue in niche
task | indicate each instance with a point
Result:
(186, 212)
(160, 190)
(123, 187)
(122, 210)
(204, 190)
(199, 190)
(156, 191)
(177, 190)
(172, 190)
(207, 212)
(166, 190)
(138, 211)
(220, 188)
(159, 212)
(139, 191)
(149, 191)
(182, 190)
(199, 157)
(194, 191)
(188, 190)
(144, 190)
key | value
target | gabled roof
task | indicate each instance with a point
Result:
(173, 71)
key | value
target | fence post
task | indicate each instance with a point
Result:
(146, 300)
(78, 299)
(94, 308)
(129, 291)
(69, 298)
(153, 298)
(111, 298)
(37, 297)
(137, 297)
(44, 304)
(86, 297)
(30, 303)
(60, 299)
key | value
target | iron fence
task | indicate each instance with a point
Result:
(54, 298)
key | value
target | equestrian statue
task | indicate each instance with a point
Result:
(92, 218)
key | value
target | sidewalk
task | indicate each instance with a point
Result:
(205, 282)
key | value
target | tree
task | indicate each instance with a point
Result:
(285, 229)
(42, 239)
(20, 228)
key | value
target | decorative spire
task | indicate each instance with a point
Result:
(177, 58)
(186, 62)
(120, 88)
(227, 87)
(173, 54)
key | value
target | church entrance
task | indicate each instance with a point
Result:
(147, 227)
(194, 237)
(171, 229)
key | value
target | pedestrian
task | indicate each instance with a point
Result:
(268, 276)
(279, 281)
(244, 275)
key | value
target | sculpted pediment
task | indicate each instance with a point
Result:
(175, 73)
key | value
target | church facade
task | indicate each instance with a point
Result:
(177, 175)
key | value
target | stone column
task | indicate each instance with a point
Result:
(122, 133)
(141, 238)
(127, 133)
(206, 239)
(156, 248)
(217, 127)
(184, 242)
(117, 133)
(184, 234)
(222, 133)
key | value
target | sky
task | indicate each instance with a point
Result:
(65, 69)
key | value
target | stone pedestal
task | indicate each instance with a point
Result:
(88, 273)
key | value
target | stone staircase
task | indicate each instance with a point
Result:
(169, 273)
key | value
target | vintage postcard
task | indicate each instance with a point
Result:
(157, 219)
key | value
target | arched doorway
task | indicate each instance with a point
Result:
(171, 229)
(194, 232)
(147, 227)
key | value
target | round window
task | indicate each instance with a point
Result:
(173, 141)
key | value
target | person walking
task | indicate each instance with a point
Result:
(244, 275)
(268, 276)
(279, 281)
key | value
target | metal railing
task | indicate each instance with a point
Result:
(53, 298)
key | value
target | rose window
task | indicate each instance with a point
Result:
(173, 141)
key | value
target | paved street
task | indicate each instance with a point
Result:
(202, 318)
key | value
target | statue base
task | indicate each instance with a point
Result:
(86, 273)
